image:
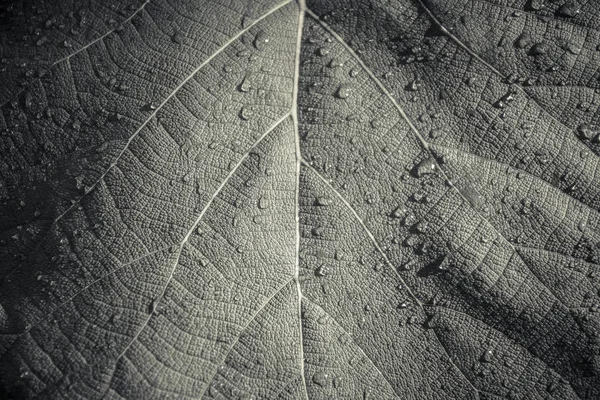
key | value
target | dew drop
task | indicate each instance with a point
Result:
(154, 306)
(321, 271)
(414, 85)
(263, 203)
(487, 356)
(343, 91)
(536, 5)
(261, 40)
(427, 166)
(177, 38)
(585, 131)
(323, 201)
(569, 10)
(246, 112)
(245, 86)
(539, 49)
(398, 212)
(523, 41)
(571, 47)
(321, 378)
(335, 63)
(322, 51)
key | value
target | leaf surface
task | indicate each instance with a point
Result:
(330, 199)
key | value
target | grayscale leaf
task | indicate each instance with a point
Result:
(301, 199)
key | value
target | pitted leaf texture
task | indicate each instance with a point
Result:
(312, 199)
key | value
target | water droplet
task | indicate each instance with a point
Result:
(154, 306)
(263, 203)
(414, 85)
(335, 63)
(536, 5)
(539, 49)
(321, 271)
(321, 378)
(245, 86)
(523, 41)
(569, 10)
(422, 227)
(487, 356)
(398, 212)
(343, 91)
(322, 51)
(323, 201)
(427, 166)
(177, 37)
(354, 72)
(150, 106)
(571, 47)
(261, 40)
(337, 381)
(585, 131)
(246, 112)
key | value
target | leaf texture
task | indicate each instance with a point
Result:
(330, 199)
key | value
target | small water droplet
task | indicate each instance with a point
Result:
(585, 131)
(261, 40)
(177, 37)
(414, 85)
(321, 271)
(335, 63)
(571, 47)
(245, 86)
(263, 203)
(539, 49)
(323, 201)
(487, 356)
(343, 91)
(569, 9)
(246, 112)
(523, 41)
(427, 166)
(322, 51)
(398, 212)
(321, 378)
(154, 306)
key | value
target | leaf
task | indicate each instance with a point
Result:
(337, 199)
